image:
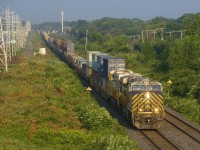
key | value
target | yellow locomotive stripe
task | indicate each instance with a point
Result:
(137, 95)
(136, 102)
(136, 99)
(161, 97)
(134, 96)
(134, 105)
(160, 100)
(141, 103)
(158, 104)
(155, 99)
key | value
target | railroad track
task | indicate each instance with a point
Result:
(158, 140)
(183, 126)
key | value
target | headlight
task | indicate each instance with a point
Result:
(147, 95)
(156, 110)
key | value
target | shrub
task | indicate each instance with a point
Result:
(96, 118)
(188, 107)
(114, 142)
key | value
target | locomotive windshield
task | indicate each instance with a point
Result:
(146, 88)
(154, 88)
(139, 87)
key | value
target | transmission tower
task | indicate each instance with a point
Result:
(7, 32)
(19, 33)
(13, 35)
(3, 53)
(62, 19)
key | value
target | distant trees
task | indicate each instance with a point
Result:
(184, 60)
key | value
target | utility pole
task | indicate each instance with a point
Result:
(86, 39)
(181, 34)
(3, 53)
(62, 19)
(154, 34)
(142, 36)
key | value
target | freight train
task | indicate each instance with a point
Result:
(138, 98)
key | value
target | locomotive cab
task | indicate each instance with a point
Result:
(147, 110)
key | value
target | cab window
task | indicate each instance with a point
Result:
(138, 87)
(154, 88)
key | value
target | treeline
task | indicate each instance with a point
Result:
(172, 58)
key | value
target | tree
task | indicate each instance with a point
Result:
(148, 52)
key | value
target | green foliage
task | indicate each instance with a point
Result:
(117, 44)
(185, 83)
(157, 22)
(162, 57)
(59, 138)
(184, 62)
(96, 118)
(184, 54)
(189, 107)
(192, 25)
(112, 142)
(148, 52)
(74, 139)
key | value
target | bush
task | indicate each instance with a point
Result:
(188, 107)
(114, 142)
(96, 118)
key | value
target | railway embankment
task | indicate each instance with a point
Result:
(44, 105)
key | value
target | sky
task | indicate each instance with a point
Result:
(38, 11)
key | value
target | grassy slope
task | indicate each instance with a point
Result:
(44, 106)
